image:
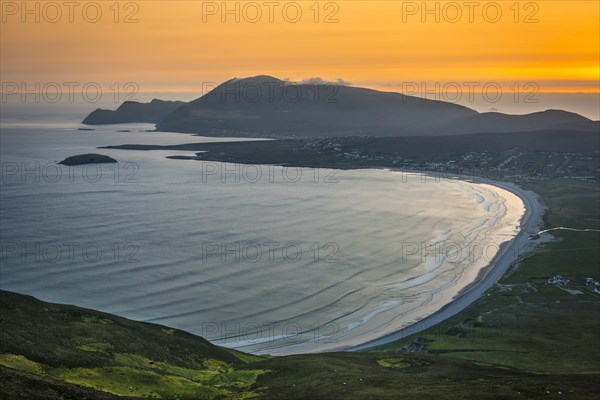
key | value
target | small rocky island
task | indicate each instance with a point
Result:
(90, 158)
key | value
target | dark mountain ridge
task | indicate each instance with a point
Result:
(266, 105)
(132, 111)
(270, 107)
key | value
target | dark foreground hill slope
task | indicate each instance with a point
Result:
(51, 351)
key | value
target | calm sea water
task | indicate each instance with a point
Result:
(265, 259)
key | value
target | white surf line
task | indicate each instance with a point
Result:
(531, 222)
(562, 228)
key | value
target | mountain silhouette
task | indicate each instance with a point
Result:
(266, 106)
(132, 111)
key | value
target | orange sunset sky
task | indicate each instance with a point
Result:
(177, 45)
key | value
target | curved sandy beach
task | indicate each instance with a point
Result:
(520, 216)
(509, 252)
(514, 214)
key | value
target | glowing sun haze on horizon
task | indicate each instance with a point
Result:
(177, 45)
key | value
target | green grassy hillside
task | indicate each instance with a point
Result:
(51, 351)
(56, 344)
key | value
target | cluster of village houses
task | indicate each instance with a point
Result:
(591, 282)
(559, 280)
